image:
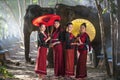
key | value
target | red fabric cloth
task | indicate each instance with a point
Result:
(40, 67)
(58, 60)
(69, 60)
(58, 54)
(71, 36)
(55, 34)
(83, 39)
(81, 70)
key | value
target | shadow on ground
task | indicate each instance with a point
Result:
(25, 71)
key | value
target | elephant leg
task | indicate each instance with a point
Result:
(27, 46)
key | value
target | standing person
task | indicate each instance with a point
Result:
(69, 55)
(81, 70)
(43, 38)
(57, 49)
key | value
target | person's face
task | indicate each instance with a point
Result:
(82, 29)
(42, 28)
(70, 27)
(56, 24)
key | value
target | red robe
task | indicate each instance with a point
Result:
(81, 70)
(69, 55)
(40, 67)
(58, 54)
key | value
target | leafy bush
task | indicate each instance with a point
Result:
(4, 73)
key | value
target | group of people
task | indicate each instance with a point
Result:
(63, 43)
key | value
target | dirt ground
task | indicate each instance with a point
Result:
(26, 71)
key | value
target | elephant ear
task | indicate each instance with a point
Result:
(71, 14)
(82, 11)
(32, 12)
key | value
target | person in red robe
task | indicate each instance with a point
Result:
(81, 70)
(43, 38)
(69, 52)
(57, 49)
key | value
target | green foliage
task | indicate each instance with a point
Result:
(5, 73)
(113, 7)
(104, 10)
(51, 3)
(100, 1)
(35, 1)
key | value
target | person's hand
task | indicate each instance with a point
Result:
(49, 38)
(77, 39)
(51, 45)
(80, 41)
(74, 43)
(77, 44)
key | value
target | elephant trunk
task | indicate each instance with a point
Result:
(27, 46)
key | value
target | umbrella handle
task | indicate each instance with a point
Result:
(51, 30)
(50, 34)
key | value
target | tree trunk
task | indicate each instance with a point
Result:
(11, 11)
(20, 21)
(57, 1)
(118, 49)
(12, 14)
(113, 21)
(103, 37)
(31, 1)
(112, 41)
(118, 42)
(40, 2)
(24, 3)
(20, 13)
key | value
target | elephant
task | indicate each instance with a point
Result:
(32, 12)
(67, 13)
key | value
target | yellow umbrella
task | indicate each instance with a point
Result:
(90, 28)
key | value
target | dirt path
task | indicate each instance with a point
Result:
(26, 71)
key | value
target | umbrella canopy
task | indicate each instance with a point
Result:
(48, 20)
(90, 29)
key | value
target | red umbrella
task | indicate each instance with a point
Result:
(48, 20)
